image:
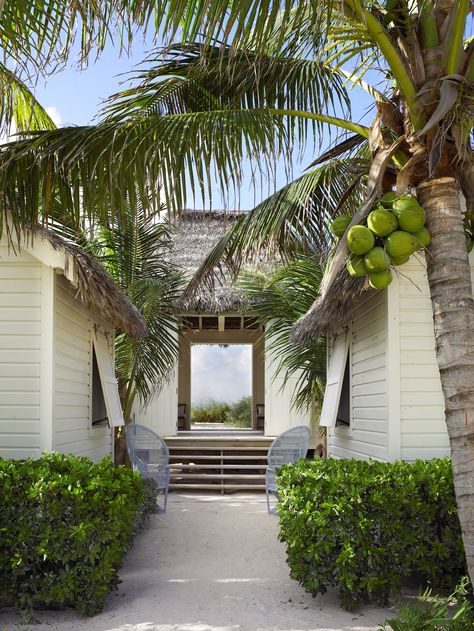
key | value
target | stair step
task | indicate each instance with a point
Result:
(216, 476)
(213, 448)
(239, 467)
(217, 487)
(219, 457)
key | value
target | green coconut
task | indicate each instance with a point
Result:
(360, 239)
(469, 244)
(339, 225)
(423, 237)
(411, 219)
(376, 260)
(380, 280)
(400, 260)
(355, 266)
(400, 243)
(388, 199)
(405, 202)
(382, 222)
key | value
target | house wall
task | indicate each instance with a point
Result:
(280, 414)
(423, 428)
(368, 434)
(73, 331)
(20, 353)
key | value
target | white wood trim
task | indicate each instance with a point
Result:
(108, 379)
(48, 286)
(335, 377)
(393, 370)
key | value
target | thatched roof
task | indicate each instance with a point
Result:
(196, 233)
(95, 288)
(334, 310)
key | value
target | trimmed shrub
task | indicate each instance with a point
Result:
(65, 525)
(367, 527)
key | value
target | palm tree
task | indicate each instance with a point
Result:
(136, 251)
(278, 300)
(267, 74)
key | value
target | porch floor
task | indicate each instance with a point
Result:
(211, 563)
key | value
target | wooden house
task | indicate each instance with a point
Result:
(383, 396)
(58, 313)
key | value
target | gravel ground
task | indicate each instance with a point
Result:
(211, 563)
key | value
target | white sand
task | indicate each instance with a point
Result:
(211, 563)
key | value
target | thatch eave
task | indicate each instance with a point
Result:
(333, 311)
(94, 286)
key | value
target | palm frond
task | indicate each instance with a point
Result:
(293, 220)
(18, 105)
(184, 78)
(39, 34)
(278, 300)
(102, 171)
(135, 251)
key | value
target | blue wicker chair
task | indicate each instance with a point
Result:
(149, 455)
(288, 447)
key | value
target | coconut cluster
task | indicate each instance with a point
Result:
(394, 229)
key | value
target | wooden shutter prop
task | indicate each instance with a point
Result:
(335, 377)
(108, 380)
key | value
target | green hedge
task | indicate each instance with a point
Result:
(65, 525)
(366, 527)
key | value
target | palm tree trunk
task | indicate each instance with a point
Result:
(449, 277)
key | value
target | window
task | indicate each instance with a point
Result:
(99, 410)
(343, 418)
(108, 385)
(334, 404)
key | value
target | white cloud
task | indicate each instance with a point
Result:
(54, 114)
(224, 374)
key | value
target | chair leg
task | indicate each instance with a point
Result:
(166, 499)
(268, 501)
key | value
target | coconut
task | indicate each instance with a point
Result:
(382, 222)
(469, 244)
(403, 202)
(423, 237)
(339, 225)
(376, 260)
(388, 199)
(411, 219)
(380, 280)
(355, 266)
(401, 243)
(360, 239)
(400, 260)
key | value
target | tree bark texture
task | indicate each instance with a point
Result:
(449, 277)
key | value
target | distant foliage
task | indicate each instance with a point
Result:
(366, 527)
(232, 414)
(65, 526)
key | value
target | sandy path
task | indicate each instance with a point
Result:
(211, 563)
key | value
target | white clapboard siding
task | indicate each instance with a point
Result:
(423, 427)
(72, 432)
(161, 414)
(367, 436)
(20, 354)
(280, 413)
